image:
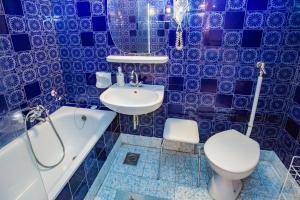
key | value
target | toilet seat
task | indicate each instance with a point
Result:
(232, 151)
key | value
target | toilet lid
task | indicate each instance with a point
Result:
(232, 151)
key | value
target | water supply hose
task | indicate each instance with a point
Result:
(262, 71)
(57, 135)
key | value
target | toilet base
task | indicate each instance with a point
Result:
(220, 188)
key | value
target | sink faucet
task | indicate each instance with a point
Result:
(135, 83)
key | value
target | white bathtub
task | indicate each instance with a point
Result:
(78, 141)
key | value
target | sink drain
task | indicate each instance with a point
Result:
(131, 158)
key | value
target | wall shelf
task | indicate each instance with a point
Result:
(137, 59)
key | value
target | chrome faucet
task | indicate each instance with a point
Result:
(36, 113)
(136, 83)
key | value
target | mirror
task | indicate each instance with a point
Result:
(139, 26)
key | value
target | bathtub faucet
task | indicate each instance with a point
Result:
(36, 113)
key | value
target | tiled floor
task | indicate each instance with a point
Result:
(178, 178)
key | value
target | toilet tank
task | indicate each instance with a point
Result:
(19, 175)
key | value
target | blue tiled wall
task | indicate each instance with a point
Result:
(84, 176)
(212, 80)
(29, 59)
(289, 138)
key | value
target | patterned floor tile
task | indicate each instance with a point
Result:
(106, 193)
(184, 192)
(165, 189)
(178, 177)
(150, 171)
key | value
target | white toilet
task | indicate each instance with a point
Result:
(233, 156)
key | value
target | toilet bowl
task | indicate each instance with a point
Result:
(232, 156)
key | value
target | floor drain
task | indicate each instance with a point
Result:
(131, 158)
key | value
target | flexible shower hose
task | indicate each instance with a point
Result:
(57, 135)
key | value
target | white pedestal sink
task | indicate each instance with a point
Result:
(130, 100)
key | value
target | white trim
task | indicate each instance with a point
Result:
(137, 59)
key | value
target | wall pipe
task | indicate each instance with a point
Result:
(262, 71)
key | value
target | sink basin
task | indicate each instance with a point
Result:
(130, 100)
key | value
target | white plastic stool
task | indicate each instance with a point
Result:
(181, 130)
